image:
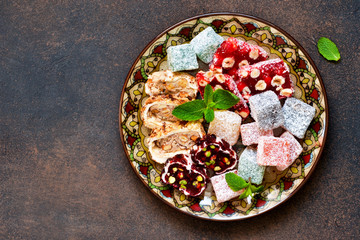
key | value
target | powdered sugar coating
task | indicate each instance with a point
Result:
(298, 116)
(295, 149)
(273, 151)
(248, 167)
(226, 125)
(181, 57)
(222, 191)
(206, 43)
(266, 110)
(250, 133)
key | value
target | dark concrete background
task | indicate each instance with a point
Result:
(63, 172)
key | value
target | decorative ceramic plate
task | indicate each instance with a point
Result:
(279, 186)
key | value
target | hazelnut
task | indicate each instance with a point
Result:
(246, 91)
(220, 77)
(254, 53)
(202, 83)
(244, 73)
(228, 62)
(287, 92)
(217, 70)
(255, 73)
(243, 114)
(277, 81)
(243, 63)
(209, 74)
(218, 87)
(260, 85)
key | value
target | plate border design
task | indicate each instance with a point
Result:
(224, 216)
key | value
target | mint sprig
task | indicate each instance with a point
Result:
(197, 109)
(328, 49)
(236, 183)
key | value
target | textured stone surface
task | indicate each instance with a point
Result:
(63, 172)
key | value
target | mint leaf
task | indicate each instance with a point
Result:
(235, 182)
(246, 193)
(208, 94)
(256, 189)
(209, 114)
(224, 99)
(328, 49)
(190, 111)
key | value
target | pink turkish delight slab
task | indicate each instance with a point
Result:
(295, 149)
(250, 133)
(222, 191)
(273, 151)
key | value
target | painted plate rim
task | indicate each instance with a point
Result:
(219, 14)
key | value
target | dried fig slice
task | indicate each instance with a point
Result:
(214, 153)
(180, 172)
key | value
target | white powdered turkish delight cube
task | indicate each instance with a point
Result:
(206, 43)
(226, 125)
(266, 110)
(298, 116)
(181, 57)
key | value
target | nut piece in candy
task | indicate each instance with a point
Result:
(220, 77)
(287, 92)
(246, 91)
(255, 73)
(243, 63)
(260, 85)
(172, 179)
(228, 62)
(254, 53)
(277, 81)
(217, 87)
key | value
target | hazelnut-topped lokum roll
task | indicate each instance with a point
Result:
(157, 111)
(177, 84)
(169, 140)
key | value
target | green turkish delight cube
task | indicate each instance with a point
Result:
(206, 43)
(248, 167)
(181, 57)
